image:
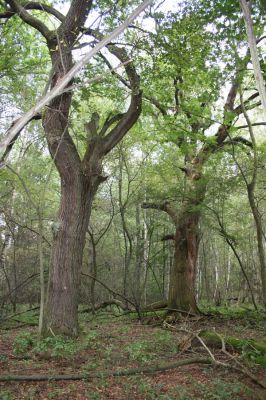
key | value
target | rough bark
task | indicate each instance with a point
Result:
(183, 272)
(79, 178)
(65, 268)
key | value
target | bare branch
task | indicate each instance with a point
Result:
(166, 207)
(254, 124)
(239, 139)
(11, 144)
(35, 6)
(29, 19)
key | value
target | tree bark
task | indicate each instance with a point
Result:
(61, 315)
(183, 271)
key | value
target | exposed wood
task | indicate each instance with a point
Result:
(105, 304)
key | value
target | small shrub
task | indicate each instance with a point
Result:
(58, 346)
(165, 340)
(22, 343)
(139, 351)
(6, 395)
(91, 340)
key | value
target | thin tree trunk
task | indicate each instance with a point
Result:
(254, 52)
(139, 259)
(93, 271)
(260, 240)
(254, 208)
(228, 274)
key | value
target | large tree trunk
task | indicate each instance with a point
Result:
(79, 178)
(69, 239)
(183, 271)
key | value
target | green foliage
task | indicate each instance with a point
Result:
(140, 351)
(58, 346)
(220, 390)
(6, 395)
(91, 340)
(23, 342)
(165, 341)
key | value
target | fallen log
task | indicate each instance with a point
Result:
(127, 372)
(105, 304)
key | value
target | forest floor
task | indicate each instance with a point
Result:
(120, 343)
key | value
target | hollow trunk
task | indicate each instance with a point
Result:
(66, 260)
(183, 271)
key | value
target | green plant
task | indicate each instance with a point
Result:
(147, 390)
(6, 395)
(108, 352)
(56, 393)
(57, 345)
(165, 340)
(220, 390)
(178, 393)
(140, 351)
(95, 396)
(22, 343)
(90, 340)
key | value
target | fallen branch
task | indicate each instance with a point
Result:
(158, 305)
(105, 304)
(240, 368)
(109, 289)
(127, 372)
(19, 313)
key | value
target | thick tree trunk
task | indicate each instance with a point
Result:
(65, 269)
(183, 271)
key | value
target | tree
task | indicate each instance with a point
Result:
(254, 52)
(190, 119)
(80, 176)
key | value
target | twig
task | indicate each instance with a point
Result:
(242, 369)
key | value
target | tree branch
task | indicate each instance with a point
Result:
(166, 207)
(11, 144)
(29, 19)
(239, 139)
(62, 83)
(254, 51)
(127, 372)
(134, 110)
(35, 6)
(254, 124)
(151, 99)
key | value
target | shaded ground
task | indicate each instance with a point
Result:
(110, 344)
